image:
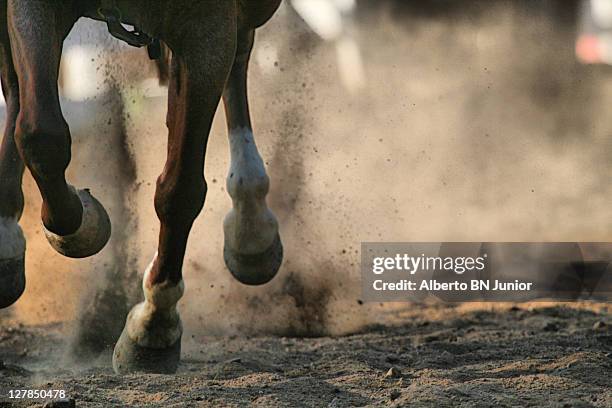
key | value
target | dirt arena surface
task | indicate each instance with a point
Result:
(477, 124)
(505, 355)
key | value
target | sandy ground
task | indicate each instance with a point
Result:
(476, 124)
(432, 356)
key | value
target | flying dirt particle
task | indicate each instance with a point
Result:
(393, 373)
(600, 325)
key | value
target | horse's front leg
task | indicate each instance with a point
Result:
(253, 251)
(151, 339)
(12, 241)
(75, 223)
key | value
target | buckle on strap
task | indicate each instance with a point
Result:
(135, 38)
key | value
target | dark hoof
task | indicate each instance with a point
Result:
(12, 280)
(130, 357)
(257, 269)
(92, 235)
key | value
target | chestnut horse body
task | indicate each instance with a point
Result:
(210, 43)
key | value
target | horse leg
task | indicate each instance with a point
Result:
(12, 241)
(74, 222)
(151, 339)
(253, 250)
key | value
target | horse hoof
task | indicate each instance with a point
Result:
(256, 269)
(92, 235)
(151, 339)
(130, 357)
(12, 280)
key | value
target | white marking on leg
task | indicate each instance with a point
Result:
(156, 323)
(12, 241)
(247, 172)
(162, 296)
(250, 228)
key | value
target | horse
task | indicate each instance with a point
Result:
(208, 46)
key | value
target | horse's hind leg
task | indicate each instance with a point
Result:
(12, 241)
(253, 251)
(151, 339)
(75, 223)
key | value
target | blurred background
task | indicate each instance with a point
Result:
(379, 120)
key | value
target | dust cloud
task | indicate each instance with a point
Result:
(476, 124)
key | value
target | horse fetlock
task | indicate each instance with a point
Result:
(12, 241)
(248, 183)
(161, 296)
(247, 179)
(155, 323)
(12, 201)
(92, 235)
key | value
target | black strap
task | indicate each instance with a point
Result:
(154, 49)
(110, 13)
